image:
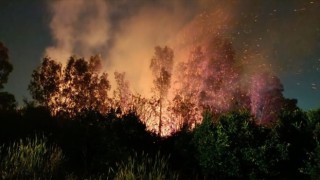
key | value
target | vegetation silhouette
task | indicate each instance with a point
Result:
(74, 129)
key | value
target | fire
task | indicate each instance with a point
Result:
(208, 79)
(168, 89)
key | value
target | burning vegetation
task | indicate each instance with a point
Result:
(177, 91)
(210, 78)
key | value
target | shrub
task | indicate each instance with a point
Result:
(145, 167)
(30, 159)
(312, 165)
(234, 146)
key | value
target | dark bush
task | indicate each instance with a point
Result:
(235, 147)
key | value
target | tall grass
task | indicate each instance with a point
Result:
(145, 166)
(30, 159)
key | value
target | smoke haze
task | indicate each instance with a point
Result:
(125, 32)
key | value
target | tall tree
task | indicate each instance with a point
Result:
(161, 66)
(79, 85)
(219, 83)
(266, 97)
(122, 93)
(186, 102)
(7, 100)
(5, 65)
(208, 78)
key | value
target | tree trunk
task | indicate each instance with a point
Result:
(160, 117)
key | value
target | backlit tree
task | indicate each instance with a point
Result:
(79, 85)
(7, 100)
(266, 97)
(122, 93)
(5, 66)
(161, 66)
(208, 78)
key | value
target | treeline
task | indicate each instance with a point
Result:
(92, 145)
(74, 128)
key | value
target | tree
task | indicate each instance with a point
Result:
(5, 66)
(209, 75)
(7, 100)
(292, 128)
(79, 85)
(312, 165)
(45, 82)
(185, 111)
(207, 79)
(122, 93)
(219, 76)
(186, 103)
(161, 66)
(266, 97)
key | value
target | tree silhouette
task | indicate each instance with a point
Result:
(122, 93)
(161, 66)
(7, 100)
(266, 97)
(186, 102)
(5, 66)
(78, 86)
(46, 79)
(208, 78)
(219, 76)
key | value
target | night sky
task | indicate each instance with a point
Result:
(285, 32)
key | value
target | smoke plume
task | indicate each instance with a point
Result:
(125, 32)
(78, 27)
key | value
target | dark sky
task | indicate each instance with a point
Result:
(24, 31)
(288, 31)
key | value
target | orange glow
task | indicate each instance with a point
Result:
(199, 37)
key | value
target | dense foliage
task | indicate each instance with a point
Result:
(72, 88)
(95, 145)
(233, 146)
